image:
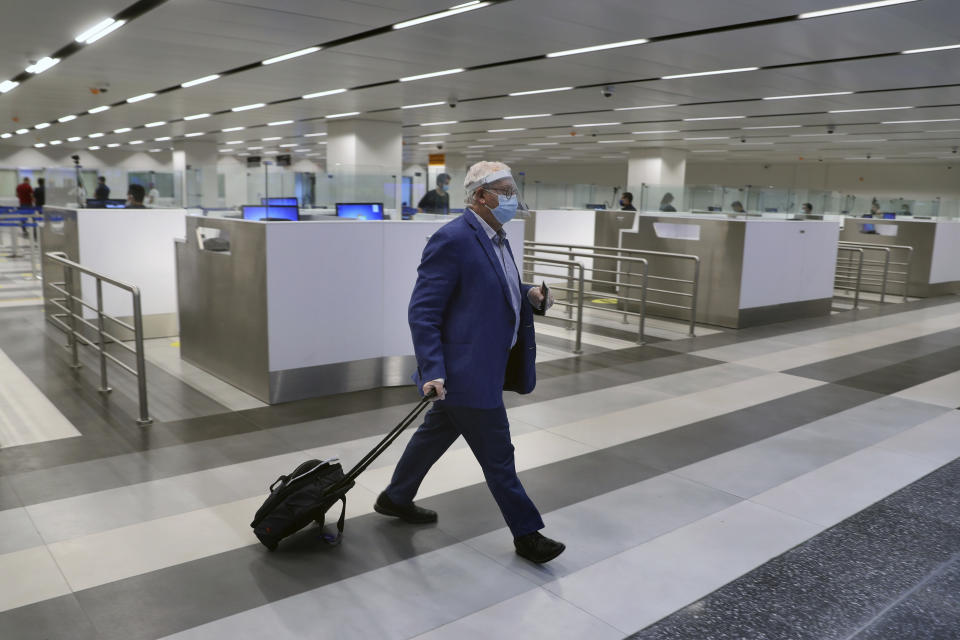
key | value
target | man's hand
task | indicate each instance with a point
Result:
(535, 296)
(437, 386)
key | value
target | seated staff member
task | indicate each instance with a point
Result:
(666, 203)
(437, 200)
(807, 208)
(626, 202)
(135, 197)
(737, 207)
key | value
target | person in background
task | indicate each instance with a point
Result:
(666, 203)
(40, 194)
(737, 207)
(25, 194)
(626, 202)
(471, 320)
(806, 208)
(135, 197)
(905, 210)
(102, 191)
(437, 200)
(153, 196)
(875, 208)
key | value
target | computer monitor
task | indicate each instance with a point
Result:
(868, 228)
(598, 207)
(270, 213)
(714, 208)
(889, 216)
(93, 203)
(360, 210)
(770, 210)
(289, 202)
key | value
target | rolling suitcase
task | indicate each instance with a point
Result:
(309, 491)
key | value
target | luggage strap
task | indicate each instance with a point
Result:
(334, 540)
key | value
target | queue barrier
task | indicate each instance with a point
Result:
(15, 220)
(877, 268)
(69, 318)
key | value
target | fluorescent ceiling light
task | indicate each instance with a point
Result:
(291, 55)
(141, 97)
(67, 118)
(279, 122)
(347, 115)
(532, 115)
(99, 109)
(74, 139)
(432, 75)
(709, 151)
(300, 150)
(272, 138)
(874, 109)
(155, 150)
(23, 131)
(8, 85)
(558, 157)
(42, 65)
(123, 130)
(135, 142)
(452, 11)
(715, 118)
(235, 142)
(810, 95)
(229, 129)
(248, 107)
(637, 133)
(505, 130)
(852, 7)
(40, 145)
(598, 47)
(289, 144)
(479, 146)
(422, 104)
(198, 116)
(815, 135)
(225, 150)
(41, 125)
(313, 135)
(433, 124)
(426, 142)
(652, 106)
(709, 73)
(612, 141)
(864, 140)
(194, 134)
(929, 49)
(253, 148)
(193, 83)
(752, 143)
(162, 139)
(56, 142)
(158, 123)
(92, 135)
(433, 135)
(710, 138)
(320, 94)
(865, 158)
(99, 30)
(496, 139)
(919, 121)
(599, 124)
(113, 144)
(778, 126)
(530, 93)
(93, 148)
(542, 144)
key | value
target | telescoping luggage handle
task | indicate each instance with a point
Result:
(382, 446)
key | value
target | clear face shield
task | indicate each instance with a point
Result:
(502, 184)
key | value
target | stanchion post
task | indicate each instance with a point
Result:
(578, 348)
(144, 418)
(101, 343)
(72, 337)
(693, 298)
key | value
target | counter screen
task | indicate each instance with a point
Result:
(360, 210)
(287, 202)
(273, 212)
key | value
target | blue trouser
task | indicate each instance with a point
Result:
(487, 433)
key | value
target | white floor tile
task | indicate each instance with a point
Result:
(29, 575)
(943, 391)
(937, 440)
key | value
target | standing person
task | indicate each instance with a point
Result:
(103, 191)
(437, 200)
(472, 325)
(626, 202)
(40, 194)
(665, 203)
(153, 196)
(25, 194)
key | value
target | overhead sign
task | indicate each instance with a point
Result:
(437, 159)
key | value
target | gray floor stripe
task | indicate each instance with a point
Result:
(196, 592)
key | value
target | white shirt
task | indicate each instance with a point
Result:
(154, 196)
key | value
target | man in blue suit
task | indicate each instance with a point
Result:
(472, 324)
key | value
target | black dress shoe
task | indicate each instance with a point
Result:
(407, 512)
(538, 548)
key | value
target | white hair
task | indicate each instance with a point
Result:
(476, 174)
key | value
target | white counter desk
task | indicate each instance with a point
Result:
(303, 309)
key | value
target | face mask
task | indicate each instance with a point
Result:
(506, 208)
(445, 187)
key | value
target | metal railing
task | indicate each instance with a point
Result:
(847, 274)
(878, 272)
(577, 348)
(14, 222)
(621, 278)
(69, 318)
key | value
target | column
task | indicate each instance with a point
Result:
(365, 157)
(662, 170)
(195, 163)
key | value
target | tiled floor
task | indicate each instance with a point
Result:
(735, 485)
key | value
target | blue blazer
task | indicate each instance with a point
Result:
(462, 320)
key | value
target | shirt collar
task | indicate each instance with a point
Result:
(487, 228)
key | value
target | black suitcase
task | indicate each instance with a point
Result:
(310, 490)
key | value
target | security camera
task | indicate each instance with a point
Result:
(869, 156)
(830, 129)
(452, 103)
(743, 139)
(607, 91)
(440, 146)
(954, 150)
